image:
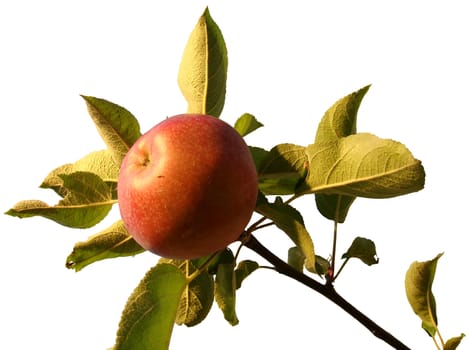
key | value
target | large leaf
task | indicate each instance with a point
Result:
(362, 165)
(87, 201)
(339, 121)
(148, 317)
(418, 287)
(197, 297)
(112, 242)
(246, 124)
(203, 70)
(282, 169)
(289, 220)
(118, 128)
(99, 162)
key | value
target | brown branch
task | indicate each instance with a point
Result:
(327, 290)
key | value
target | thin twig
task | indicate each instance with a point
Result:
(326, 290)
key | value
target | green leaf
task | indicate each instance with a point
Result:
(148, 317)
(54, 182)
(222, 256)
(118, 128)
(283, 169)
(322, 265)
(243, 270)
(225, 288)
(99, 162)
(296, 258)
(339, 121)
(203, 70)
(363, 249)
(87, 201)
(418, 287)
(289, 220)
(362, 165)
(334, 206)
(111, 242)
(246, 124)
(258, 155)
(197, 298)
(453, 343)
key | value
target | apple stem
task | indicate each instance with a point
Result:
(327, 290)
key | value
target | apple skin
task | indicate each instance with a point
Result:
(188, 187)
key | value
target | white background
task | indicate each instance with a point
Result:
(288, 62)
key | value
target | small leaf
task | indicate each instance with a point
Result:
(99, 162)
(362, 165)
(197, 298)
(225, 288)
(148, 317)
(283, 169)
(289, 220)
(87, 201)
(246, 124)
(296, 258)
(363, 249)
(118, 128)
(243, 270)
(203, 70)
(112, 242)
(322, 265)
(418, 286)
(453, 343)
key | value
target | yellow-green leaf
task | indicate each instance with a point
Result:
(111, 242)
(289, 220)
(282, 169)
(203, 70)
(118, 128)
(453, 343)
(246, 124)
(87, 201)
(340, 120)
(418, 287)
(362, 165)
(100, 163)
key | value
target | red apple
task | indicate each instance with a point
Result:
(188, 187)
